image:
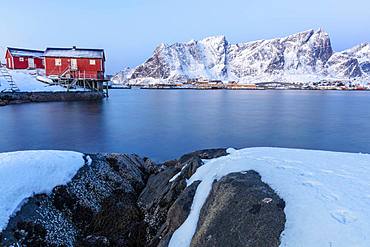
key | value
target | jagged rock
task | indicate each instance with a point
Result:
(100, 201)
(160, 194)
(176, 215)
(205, 57)
(204, 154)
(241, 210)
(344, 65)
(303, 57)
(92, 241)
(125, 200)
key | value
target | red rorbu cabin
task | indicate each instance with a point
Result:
(75, 63)
(17, 58)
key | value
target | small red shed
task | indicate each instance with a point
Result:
(75, 63)
(17, 58)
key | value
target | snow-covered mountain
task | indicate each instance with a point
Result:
(301, 57)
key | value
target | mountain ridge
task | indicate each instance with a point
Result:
(302, 57)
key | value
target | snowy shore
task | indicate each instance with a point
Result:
(326, 197)
(327, 194)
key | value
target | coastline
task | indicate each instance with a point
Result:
(69, 198)
(35, 97)
(244, 88)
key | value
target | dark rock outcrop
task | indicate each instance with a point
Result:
(125, 200)
(176, 215)
(98, 207)
(160, 193)
(241, 210)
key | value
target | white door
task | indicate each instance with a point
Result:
(73, 64)
(31, 63)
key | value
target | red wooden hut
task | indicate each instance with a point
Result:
(17, 58)
(75, 63)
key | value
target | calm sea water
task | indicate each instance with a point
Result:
(163, 124)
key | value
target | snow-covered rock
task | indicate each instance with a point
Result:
(23, 174)
(305, 56)
(181, 61)
(123, 76)
(362, 54)
(71, 199)
(326, 193)
(252, 196)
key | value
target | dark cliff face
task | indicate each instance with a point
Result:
(125, 200)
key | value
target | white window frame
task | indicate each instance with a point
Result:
(92, 62)
(21, 59)
(58, 62)
(74, 65)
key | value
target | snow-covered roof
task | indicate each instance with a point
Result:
(74, 52)
(19, 52)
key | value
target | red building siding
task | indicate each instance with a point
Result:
(83, 70)
(21, 62)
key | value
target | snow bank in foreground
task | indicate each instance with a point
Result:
(25, 173)
(327, 194)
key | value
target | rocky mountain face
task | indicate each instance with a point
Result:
(125, 200)
(301, 57)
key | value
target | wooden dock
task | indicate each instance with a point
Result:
(94, 85)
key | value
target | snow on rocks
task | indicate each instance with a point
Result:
(25, 173)
(307, 55)
(326, 193)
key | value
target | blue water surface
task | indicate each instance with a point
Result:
(163, 124)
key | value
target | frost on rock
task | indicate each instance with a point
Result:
(327, 194)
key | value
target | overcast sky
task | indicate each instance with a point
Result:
(129, 30)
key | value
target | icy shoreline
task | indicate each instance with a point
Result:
(318, 190)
